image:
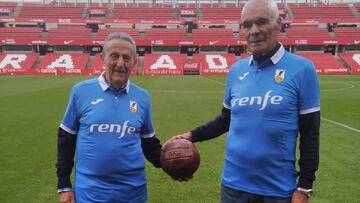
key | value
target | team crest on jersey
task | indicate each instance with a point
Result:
(133, 106)
(279, 75)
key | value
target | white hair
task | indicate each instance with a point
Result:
(270, 4)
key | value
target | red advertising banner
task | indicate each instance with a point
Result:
(163, 64)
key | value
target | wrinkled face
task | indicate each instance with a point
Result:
(119, 59)
(260, 29)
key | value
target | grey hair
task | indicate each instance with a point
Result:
(270, 4)
(120, 36)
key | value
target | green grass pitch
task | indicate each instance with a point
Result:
(31, 108)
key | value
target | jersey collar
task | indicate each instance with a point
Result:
(275, 58)
(105, 85)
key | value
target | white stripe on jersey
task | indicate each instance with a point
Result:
(148, 135)
(311, 110)
(68, 129)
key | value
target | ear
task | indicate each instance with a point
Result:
(278, 20)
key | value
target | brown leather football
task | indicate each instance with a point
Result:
(180, 158)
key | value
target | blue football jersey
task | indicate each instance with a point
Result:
(109, 124)
(265, 102)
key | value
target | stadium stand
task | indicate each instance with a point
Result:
(318, 12)
(347, 32)
(138, 11)
(352, 60)
(212, 33)
(69, 32)
(163, 64)
(214, 64)
(65, 11)
(102, 33)
(303, 32)
(94, 11)
(357, 6)
(325, 63)
(7, 9)
(217, 12)
(32, 33)
(165, 34)
(17, 63)
(63, 63)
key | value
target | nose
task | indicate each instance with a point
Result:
(119, 62)
(254, 29)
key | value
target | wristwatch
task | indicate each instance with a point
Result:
(306, 192)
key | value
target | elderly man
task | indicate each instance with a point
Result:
(108, 124)
(270, 98)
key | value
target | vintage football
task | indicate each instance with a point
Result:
(180, 159)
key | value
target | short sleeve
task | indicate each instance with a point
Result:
(147, 129)
(309, 91)
(70, 122)
(227, 96)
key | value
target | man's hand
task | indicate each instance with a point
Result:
(66, 197)
(187, 136)
(298, 197)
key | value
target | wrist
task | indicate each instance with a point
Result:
(304, 191)
(67, 189)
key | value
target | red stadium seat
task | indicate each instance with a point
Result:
(64, 11)
(215, 64)
(7, 9)
(347, 32)
(102, 33)
(352, 60)
(318, 12)
(212, 33)
(20, 33)
(325, 63)
(144, 12)
(17, 63)
(63, 63)
(165, 34)
(163, 64)
(69, 33)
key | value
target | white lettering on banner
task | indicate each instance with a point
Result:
(13, 59)
(164, 61)
(64, 61)
(258, 100)
(111, 128)
(356, 58)
(222, 63)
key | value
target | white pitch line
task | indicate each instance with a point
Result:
(214, 81)
(340, 124)
(342, 88)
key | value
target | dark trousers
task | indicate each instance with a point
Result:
(229, 195)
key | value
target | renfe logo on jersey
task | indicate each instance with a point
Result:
(258, 100)
(111, 128)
